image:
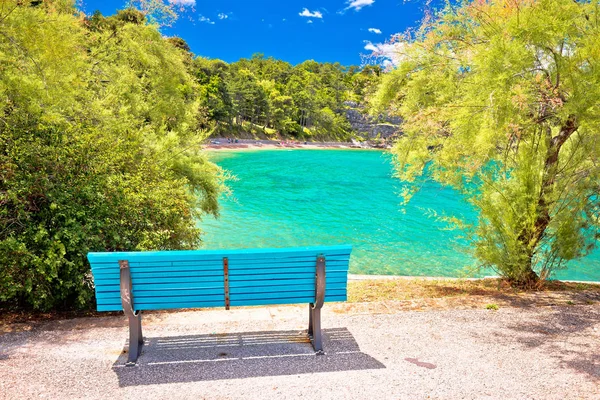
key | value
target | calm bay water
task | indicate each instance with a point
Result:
(285, 198)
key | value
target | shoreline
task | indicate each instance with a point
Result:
(365, 277)
(246, 144)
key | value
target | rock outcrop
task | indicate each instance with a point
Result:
(368, 126)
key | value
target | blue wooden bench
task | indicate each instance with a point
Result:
(160, 280)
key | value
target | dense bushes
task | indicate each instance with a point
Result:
(99, 149)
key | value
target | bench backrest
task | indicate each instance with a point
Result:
(195, 278)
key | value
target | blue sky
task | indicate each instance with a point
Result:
(321, 30)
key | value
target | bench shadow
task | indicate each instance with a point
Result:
(240, 355)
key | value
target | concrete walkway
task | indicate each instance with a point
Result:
(512, 353)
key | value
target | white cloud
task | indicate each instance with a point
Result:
(184, 2)
(358, 4)
(375, 30)
(314, 14)
(388, 53)
(309, 21)
(370, 46)
(223, 16)
(202, 18)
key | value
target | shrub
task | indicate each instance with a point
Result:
(98, 151)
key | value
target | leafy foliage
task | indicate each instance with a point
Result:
(99, 148)
(500, 101)
(303, 101)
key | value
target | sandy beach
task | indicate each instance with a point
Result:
(247, 144)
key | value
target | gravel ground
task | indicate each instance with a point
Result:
(512, 353)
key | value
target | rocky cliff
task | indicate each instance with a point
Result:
(368, 126)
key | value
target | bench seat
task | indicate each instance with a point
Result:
(160, 280)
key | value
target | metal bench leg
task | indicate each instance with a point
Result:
(136, 340)
(315, 330)
(141, 337)
(314, 321)
(310, 320)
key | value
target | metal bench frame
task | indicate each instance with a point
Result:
(136, 338)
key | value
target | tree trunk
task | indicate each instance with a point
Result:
(530, 238)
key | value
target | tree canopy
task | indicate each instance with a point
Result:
(305, 101)
(99, 148)
(500, 101)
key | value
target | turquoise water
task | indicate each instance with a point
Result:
(287, 198)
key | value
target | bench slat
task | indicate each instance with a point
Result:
(180, 299)
(172, 306)
(165, 286)
(284, 301)
(139, 301)
(141, 281)
(134, 265)
(279, 288)
(285, 295)
(309, 269)
(249, 263)
(157, 293)
(275, 282)
(242, 254)
(159, 274)
(284, 275)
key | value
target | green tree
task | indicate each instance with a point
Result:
(500, 101)
(304, 100)
(216, 104)
(98, 149)
(364, 83)
(248, 97)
